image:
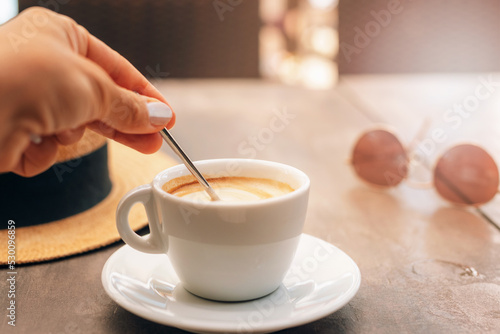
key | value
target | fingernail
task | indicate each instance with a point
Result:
(159, 113)
(36, 139)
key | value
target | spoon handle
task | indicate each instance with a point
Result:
(189, 164)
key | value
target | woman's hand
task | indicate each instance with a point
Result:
(55, 80)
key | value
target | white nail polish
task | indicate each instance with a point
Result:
(36, 139)
(159, 113)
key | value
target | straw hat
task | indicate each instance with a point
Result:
(70, 208)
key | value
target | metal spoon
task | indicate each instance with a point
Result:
(189, 164)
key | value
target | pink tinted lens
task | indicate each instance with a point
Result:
(379, 158)
(466, 174)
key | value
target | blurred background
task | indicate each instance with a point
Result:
(298, 42)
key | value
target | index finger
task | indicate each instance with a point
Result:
(120, 69)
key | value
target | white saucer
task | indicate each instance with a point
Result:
(321, 280)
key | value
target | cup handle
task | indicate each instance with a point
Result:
(151, 243)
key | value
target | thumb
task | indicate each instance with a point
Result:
(131, 113)
(133, 120)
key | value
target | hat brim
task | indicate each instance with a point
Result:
(95, 227)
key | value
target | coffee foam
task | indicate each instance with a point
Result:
(227, 188)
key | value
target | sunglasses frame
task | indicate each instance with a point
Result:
(438, 182)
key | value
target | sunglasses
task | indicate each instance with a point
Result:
(465, 174)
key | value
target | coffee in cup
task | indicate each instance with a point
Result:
(228, 188)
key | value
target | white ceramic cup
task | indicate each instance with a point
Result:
(226, 251)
